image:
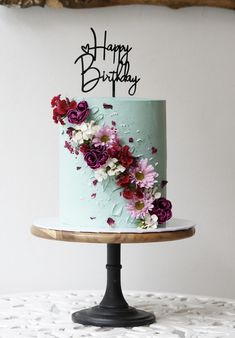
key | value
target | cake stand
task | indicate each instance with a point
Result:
(113, 311)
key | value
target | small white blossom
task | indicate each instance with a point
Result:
(155, 193)
(113, 167)
(111, 163)
(84, 132)
(119, 169)
(150, 221)
(100, 174)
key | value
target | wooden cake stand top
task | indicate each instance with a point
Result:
(109, 238)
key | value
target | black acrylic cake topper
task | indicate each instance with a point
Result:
(92, 75)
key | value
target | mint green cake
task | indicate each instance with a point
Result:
(112, 163)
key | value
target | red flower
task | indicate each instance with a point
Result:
(56, 117)
(139, 194)
(84, 148)
(124, 180)
(61, 107)
(128, 194)
(54, 100)
(131, 192)
(123, 155)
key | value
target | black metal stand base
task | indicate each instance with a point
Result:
(113, 310)
(99, 316)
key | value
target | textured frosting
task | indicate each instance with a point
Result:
(87, 206)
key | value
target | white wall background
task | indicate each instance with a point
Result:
(185, 56)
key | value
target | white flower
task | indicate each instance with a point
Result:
(113, 167)
(84, 132)
(119, 169)
(157, 195)
(100, 174)
(154, 192)
(110, 168)
(111, 163)
(150, 221)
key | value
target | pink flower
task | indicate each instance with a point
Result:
(106, 136)
(138, 208)
(143, 175)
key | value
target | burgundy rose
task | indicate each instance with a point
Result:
(80, 114)
(96, 156)
(162, 209)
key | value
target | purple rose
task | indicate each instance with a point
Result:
(162, 209)
(80, 114)
(96, 156)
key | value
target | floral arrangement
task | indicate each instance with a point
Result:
(104, 153)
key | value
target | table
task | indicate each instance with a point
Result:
(48, 314)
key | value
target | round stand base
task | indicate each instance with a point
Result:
(113, 317)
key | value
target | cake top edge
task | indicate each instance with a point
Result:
(106, 98)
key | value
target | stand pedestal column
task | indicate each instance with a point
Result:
(113, 311)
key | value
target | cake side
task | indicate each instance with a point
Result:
(88, 200)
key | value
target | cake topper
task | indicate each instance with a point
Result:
(109, 54)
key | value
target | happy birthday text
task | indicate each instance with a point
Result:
(92, 75)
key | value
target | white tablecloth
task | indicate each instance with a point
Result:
(48, 314)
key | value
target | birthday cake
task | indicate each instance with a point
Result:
(112, 163)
